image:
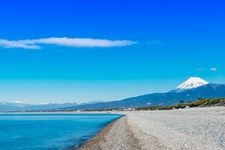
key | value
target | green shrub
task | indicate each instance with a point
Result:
(201, 102)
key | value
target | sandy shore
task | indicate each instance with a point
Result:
(187, 129)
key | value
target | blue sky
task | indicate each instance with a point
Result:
(83, 50)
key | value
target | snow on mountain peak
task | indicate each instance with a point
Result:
(191, 83)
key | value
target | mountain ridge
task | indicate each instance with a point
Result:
(210, 90)
(21, 106)
(192, 89)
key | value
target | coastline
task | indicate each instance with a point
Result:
(193, 128)
(116, 135)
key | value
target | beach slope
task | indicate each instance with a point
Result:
(116, 136)
(186, 129)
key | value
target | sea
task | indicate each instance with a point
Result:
(50, 131)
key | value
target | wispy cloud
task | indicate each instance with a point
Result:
(213, 69)
(17, 44)
(64, 41)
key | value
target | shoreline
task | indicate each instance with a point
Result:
(192, 128)
(116, 135)
(95, 140)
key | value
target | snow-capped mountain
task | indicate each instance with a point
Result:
(188, 91)
(191, 83)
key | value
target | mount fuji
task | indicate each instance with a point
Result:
(188, 91)
(192, 83)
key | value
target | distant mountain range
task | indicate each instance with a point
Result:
(18, 106)
(188, 91)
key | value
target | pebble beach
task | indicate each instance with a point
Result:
(186, 129)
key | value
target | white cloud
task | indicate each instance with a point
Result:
(64, 41)
(213, 69)
(16, 44)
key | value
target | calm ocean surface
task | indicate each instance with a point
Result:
(49, 131)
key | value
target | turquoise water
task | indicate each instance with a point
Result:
(49, 131)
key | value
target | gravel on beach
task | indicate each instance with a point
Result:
(116, 136)
(186, 129)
